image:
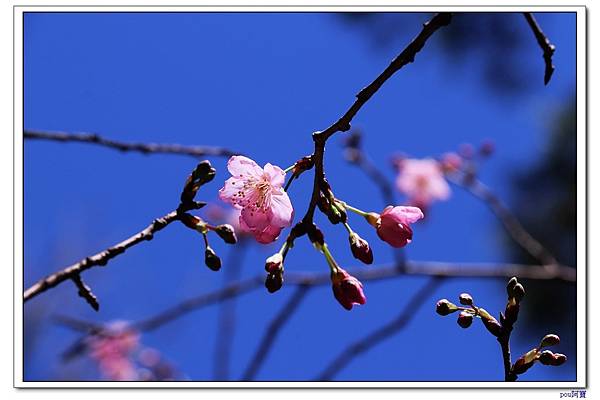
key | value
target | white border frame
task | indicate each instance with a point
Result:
(582, 161)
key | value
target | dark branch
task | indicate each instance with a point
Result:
(266, 343)
(415, 268)
(145, 148)
(86, 292)
(374, 338)
(227, 317)
(544, 43)
(99, 259)
(509, 221)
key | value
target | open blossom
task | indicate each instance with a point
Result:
(347, 289)
(393, 225)
(422, 181)
(258, 193)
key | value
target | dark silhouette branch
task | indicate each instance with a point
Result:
(544, 43)
(99, 259)
(414, 268)
(227, 317)
(377, 336)
(266, 343)
(511, 224)
(344, 123)
(144, 148)
(85, 292)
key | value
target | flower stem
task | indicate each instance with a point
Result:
(355, 210)
(288, 169)
(330, 260)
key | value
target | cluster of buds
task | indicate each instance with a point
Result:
(501, 329)
(202, 174)
(467, 313)
(545, 357)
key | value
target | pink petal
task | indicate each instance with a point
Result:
(256, 220)
(281, 210)
(240, 166)
(230, 189)
(275, 174)
(269, 235)
(407, 215)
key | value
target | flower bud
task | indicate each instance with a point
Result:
(518, 292)
(546, 357)
(451, 162)
(191, 221)
(202, 174)
(511, 285)
(316, 235)
(274, 282)
(347, 289)
(274, 263)
(465, 319)
(550, 340)
(360, 248)
(521, 365)
(443, 307)
(465, 299)
(492, 325)
(227, 233)
(211, 259)
(559, 359)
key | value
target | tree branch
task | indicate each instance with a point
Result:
(414, 268)
(511, 224)
(372, 339)
(344, 123)
(544, 43)
(144, 148)
(266, 343)
(99, 259)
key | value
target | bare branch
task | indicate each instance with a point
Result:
(227, 314)
(273, 330)
(544, 43)
(414, 268)
(344, 123)
(86, 292)
(144, 148)
(377, 336)
(510, 222)
(99, 259)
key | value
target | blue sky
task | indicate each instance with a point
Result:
(260, 84)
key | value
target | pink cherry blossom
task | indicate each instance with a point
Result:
(422, 181)
(393, 225)
(112, 350)
(347, 289)
(265, 207)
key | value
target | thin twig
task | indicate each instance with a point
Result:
(414, 268)
(266, 343)
(512, 225)
(227, 317)
(145, 148)
(85, 292)
(344, 123)
(377, 336)
(544, 43)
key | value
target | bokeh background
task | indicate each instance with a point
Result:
(260, 83)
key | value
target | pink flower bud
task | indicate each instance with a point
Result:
(360, 248)
(393, 225)
(347, 289)
(465, 319)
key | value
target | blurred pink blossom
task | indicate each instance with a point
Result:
(393, 225)
(258, 193)
(112, 350)
(422, 180)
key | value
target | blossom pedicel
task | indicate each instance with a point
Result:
(265, 207)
